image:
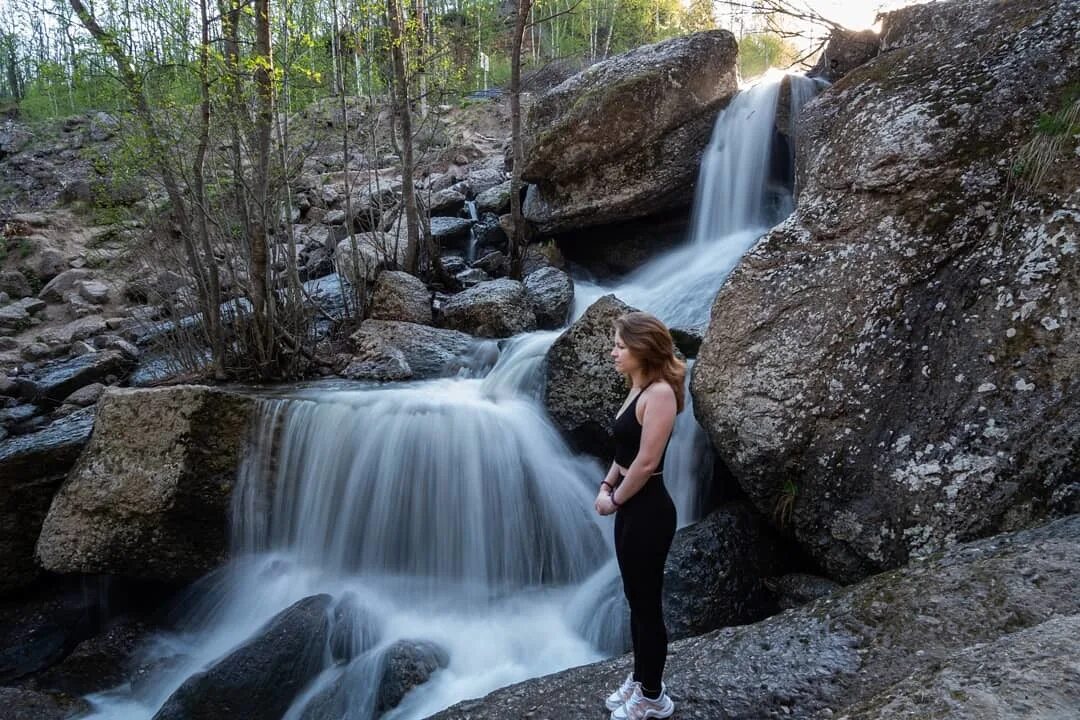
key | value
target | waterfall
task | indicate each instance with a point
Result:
(451, 511)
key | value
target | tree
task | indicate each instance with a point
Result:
(518, 239)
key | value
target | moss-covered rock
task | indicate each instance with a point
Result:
(903, 351)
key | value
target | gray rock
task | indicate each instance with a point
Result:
(261, 678)
(374, 251)
(102, 126)
(335, 217)
(165, 516)
(376, 360)
(497, 308)
(401, 296)
(15, 284)
(655, 105)
(495, 199)
(59, 286)
(82, 348)
(454, 264)
(795, 589)
(50, 384)
(17, 414)
(31, 469)
(450, 231)
(494, 263)
(50, 264)
(472, 277)
(85, 396)
(482, 179)
(583, 391)
(40, 351)
(446, 202)
(407, 664)
(1031, 673)
(894, 352)
(551, 295)
(31, 305)
(13, 138)
(93, 291)
(14, 318)
(861, 643)
(429, 352)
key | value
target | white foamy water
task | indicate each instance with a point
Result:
(451, 511)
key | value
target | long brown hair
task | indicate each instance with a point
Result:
(650, 342)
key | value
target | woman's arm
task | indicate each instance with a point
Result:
(657, 421)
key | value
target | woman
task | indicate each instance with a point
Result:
(645, 519)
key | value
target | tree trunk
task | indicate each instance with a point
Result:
(198, 174)
(262, 305)
(517, 234)
(401, 109)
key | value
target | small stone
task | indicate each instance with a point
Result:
(82, 348)
(94, 291)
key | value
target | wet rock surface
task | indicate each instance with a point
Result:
(260, 678)
(899, 357)
(550, 292)
(493, 309)
(427, 351)
(32, 467)
(583, 391)
(829, 657)
(22, 704)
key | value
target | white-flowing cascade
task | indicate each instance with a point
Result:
(451, 511)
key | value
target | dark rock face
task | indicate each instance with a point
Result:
(716, 570)
(97, 663)
(612, 251)
(493, 309)
(583, 391)
(406, 665)
(55, 381)
(32, 467)
(21, 704)
(896, 362)
(858, 647)
(260, 679)
(149, 497)
(550, 292)
(622, 139)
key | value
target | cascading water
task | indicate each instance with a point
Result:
(451, 511)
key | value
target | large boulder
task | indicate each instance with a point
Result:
(583, 391)
(260, 679)
(367, 254)
(896, 363)
(428, 352)
(845, 51)
(870, 643)
(551, 294)
(716, 572)
(401, 296)
(149, 497)
(494, 309)
(622, 139)
(32, 467)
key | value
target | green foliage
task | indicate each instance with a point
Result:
(762, 51)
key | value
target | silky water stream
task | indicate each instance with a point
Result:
(451, 511)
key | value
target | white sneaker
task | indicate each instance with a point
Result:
(639, 707)
(618, 698)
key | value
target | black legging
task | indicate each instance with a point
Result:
(644, 528)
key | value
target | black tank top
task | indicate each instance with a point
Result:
(627, 431)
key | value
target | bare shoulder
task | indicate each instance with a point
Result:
(661, 392)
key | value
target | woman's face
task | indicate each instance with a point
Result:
(625, 362)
